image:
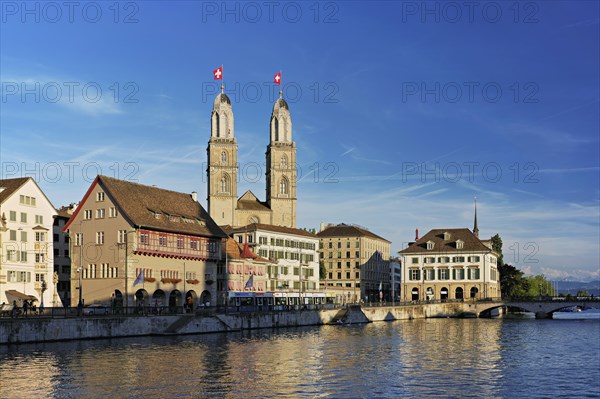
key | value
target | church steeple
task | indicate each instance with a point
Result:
(222, 170)
(475, 227)
(281, 166)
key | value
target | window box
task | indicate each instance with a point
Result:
(192, 281)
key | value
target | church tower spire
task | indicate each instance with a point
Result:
(475, 227)
(222, 170)
(281, 166)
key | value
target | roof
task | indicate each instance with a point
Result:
(280, 103)
(63, 212)
(10, 186)
(249, 201)
(471, 242)
(236, 251)
(140, 204)
(222, 98)
(346, 230)
(273, 228)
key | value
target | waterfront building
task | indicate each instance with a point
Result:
(292, 252)
(62, 255)
(356, 262)
(136, 244)
(450, 264)
(395, 278)
(245, 275)
(26, 215)
(224, 206)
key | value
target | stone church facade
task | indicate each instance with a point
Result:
(224, 205)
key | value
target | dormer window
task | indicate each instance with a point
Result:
(460, 244)
(430, 245)
(446, 236)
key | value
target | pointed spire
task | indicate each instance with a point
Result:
(475, 227)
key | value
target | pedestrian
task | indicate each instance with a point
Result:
(25, 307)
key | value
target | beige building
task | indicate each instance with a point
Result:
(357, 263)
(26, 265)
(293, 254)
(224, 206)
(134, 244)
(449, 264)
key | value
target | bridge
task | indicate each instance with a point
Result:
(542, 309)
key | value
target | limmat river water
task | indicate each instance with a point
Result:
(432, 358)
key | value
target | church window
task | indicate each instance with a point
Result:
(284, 186)
(217, 124)
(224, 186)
(276, 128)
(224, 157)
(284, 162)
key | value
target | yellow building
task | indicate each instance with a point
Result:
(134, 244)
(357, 263)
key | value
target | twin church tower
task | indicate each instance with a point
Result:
(224, 206)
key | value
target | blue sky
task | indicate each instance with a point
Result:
(402, 112)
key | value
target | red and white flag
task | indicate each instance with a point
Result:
(218, 73)
(277, 78)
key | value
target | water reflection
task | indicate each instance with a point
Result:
(417, 358)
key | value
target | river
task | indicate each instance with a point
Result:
(452, 358)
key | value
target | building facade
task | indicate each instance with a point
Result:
(26, 264)
(134, 244)
(449, 264)
(293, 256)
(62, 254)
(224, 206)
(357, 263)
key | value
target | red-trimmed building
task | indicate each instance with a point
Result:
(133, 244)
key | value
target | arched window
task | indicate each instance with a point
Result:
(216, 123)
(276, 129)
(224, 157)
(253, 219)
(224, 188)
(284, 162)
(284, 186)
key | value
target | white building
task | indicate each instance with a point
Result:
(291, 249)
(26, 264)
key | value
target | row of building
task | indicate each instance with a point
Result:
(127, 244)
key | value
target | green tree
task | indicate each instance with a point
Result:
(539, 286)
(322, 271)
(512, 282)
(497, 247)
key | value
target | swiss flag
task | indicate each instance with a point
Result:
(218, 73)
(277, 78)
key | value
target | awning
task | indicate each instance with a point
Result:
(415, 290)
(20, 295)
(444, 291)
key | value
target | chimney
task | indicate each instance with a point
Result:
(195, 196)
(322, 226)
(416, 234)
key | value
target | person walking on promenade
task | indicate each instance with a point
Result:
(25, 307)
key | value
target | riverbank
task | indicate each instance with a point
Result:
(40, 329)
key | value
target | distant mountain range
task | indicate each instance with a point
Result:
(571, 287)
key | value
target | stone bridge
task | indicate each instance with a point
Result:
(542, 309)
